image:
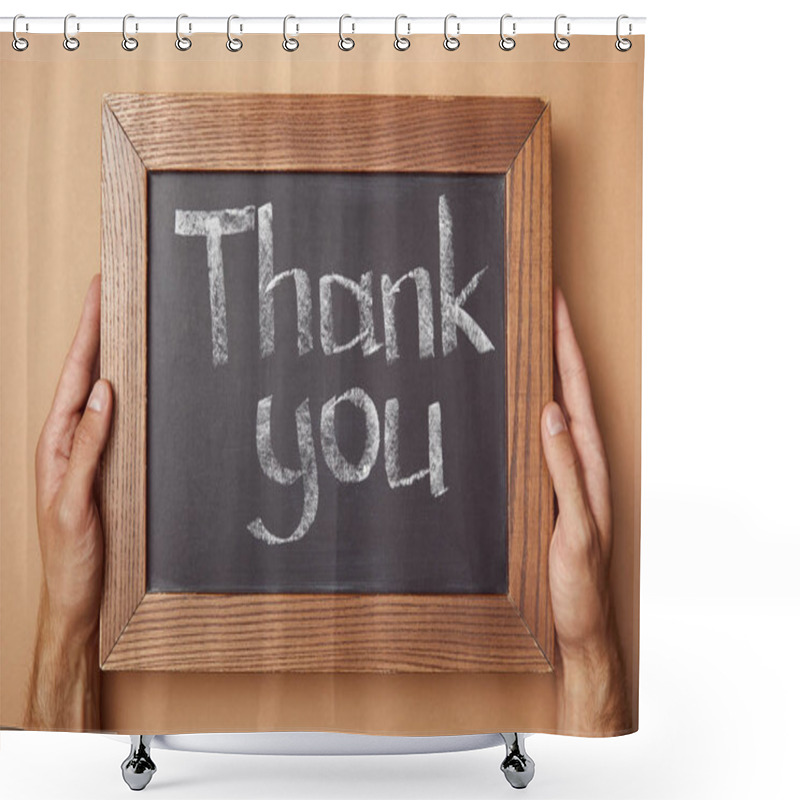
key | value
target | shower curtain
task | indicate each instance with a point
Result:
(321, 484)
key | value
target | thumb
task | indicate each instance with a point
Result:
(88, 441)
(563, 462)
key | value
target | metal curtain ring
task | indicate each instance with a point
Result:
(451, 42)
(70, 42)
(560, 42)
(345, 42)
(182, 42)
(623, 45)
(18, 43)
(507, 42)
(129, 43)
(401, 42)
(233, 44)
(289, 44)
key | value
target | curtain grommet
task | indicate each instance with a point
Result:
(290, 44)
(233, 44)
(129, 43)
(623, 45)
(183, 43)
(451, 43)
(560, 43)
(401, 43)
(17, 42)
(346, 43)
(70, 43)
(507, 42)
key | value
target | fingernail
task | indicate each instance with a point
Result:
(97, 399)
(554, 420)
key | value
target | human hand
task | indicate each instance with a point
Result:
(591, 678)
(70, 534)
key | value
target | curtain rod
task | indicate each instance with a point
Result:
(406, 26)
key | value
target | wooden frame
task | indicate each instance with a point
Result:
(326, 632)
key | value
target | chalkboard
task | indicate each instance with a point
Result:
(326, 383)
(355, 483)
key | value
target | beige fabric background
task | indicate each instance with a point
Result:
(50, 232)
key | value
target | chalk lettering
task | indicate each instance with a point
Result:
(422, 280)
(391, 436)
(285, 476)
(214, 225)
(453, 315)
(363, 293)
(342, 469)
(267, 281)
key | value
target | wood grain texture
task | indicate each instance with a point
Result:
(326, 632)
(123, 359)
(323, 633)
(341, 133)
(529, 380)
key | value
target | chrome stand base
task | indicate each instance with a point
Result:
(138, 768)
(517, 766)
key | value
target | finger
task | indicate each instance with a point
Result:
(79, 366)
(563, 463)
(55, 439)
(575, 393)
(88, 443)
(572, 372)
